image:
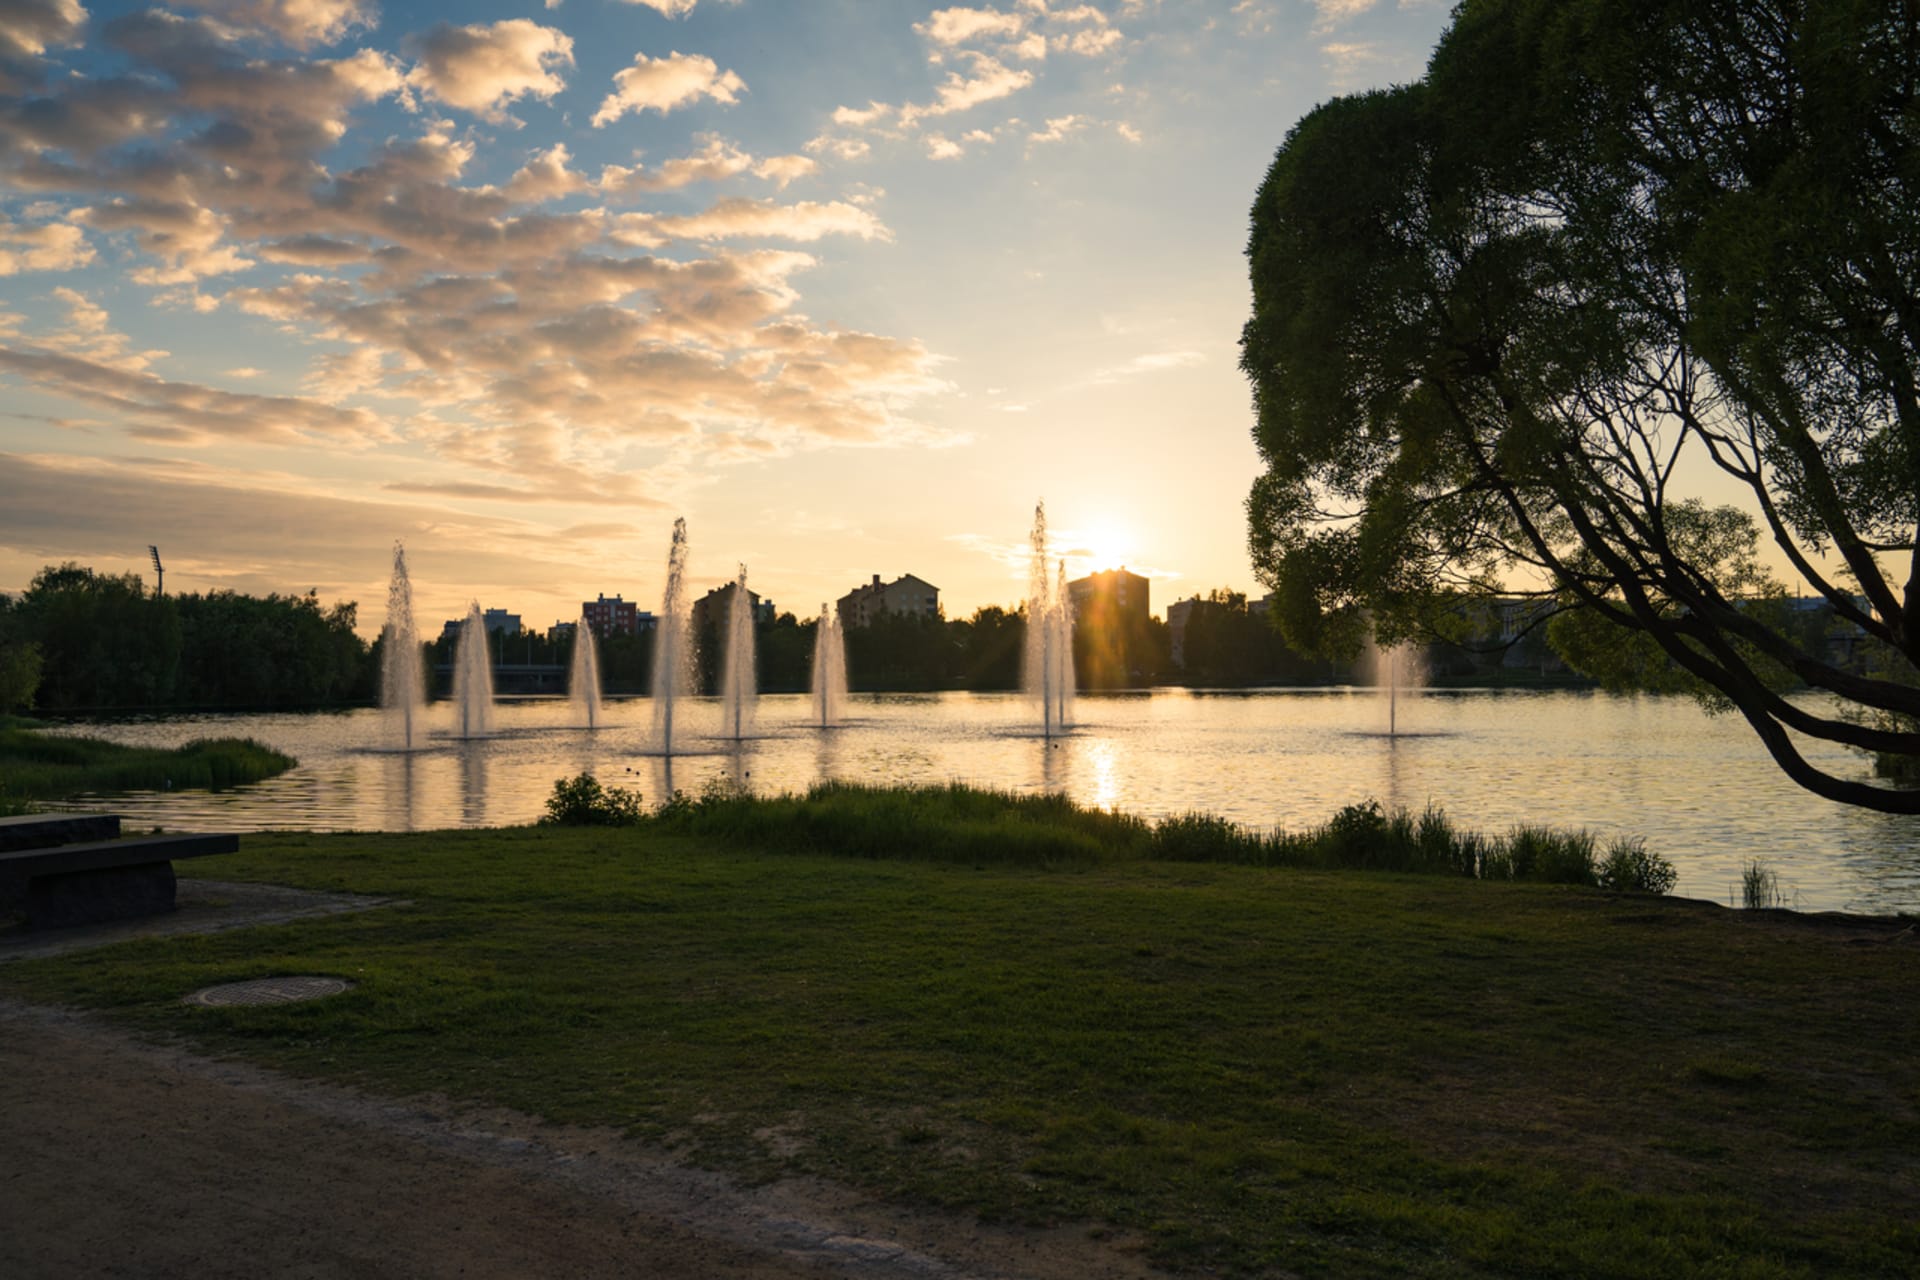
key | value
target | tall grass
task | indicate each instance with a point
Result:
(957, 823)
(1760, 886)
(37, 766)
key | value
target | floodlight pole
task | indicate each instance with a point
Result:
(159, 574)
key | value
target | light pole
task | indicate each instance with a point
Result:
(159, 574)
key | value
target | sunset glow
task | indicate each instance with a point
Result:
(847, 286)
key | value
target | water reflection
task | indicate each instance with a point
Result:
(1701, 790)
(473, 782)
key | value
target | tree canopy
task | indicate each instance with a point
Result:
(1613, 290)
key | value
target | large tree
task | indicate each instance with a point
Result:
(1611, 291)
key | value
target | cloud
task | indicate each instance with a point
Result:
(301, 23)
(670, 8)
(941, 147)
(1153, 362)
(780, 170)
(1088, 43)
(1352, 63)
(1333, 13)
(986, 80)
(738, 217)
(185, 413)
(661, 84)
(955, 26)
(28, 28)
(186, 237)
(484, 68)
(1059, 128)
(1127, 131)
(51, 246)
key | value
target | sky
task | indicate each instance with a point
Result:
(849, 286)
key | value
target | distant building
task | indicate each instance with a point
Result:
(560, 631)
(1110, 628)
(906, 594)
(716, 607)
(1178, 615)
(1111, 598)
(496, 621)
(612, 616)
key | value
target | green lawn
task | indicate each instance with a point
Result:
(1331, 1072)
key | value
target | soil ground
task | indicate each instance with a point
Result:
(124, 1157)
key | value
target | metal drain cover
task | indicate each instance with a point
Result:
(269, 991)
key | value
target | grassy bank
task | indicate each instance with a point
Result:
(37, 766)
(1331, 1073)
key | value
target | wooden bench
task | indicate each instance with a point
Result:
(66, 883)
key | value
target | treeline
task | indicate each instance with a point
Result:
(77, 640)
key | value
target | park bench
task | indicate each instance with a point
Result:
(68, 869)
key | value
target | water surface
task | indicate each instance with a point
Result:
(1700, 789)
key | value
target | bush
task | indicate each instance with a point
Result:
(583, 802)
(1630, 868)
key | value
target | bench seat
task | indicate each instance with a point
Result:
(103, 879)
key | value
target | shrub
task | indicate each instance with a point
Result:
(582, 802)
(1630, 868)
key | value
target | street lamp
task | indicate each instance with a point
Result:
(159, 574)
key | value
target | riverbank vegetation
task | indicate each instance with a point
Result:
(1246, 1067)
(36, 766)
(963, 824)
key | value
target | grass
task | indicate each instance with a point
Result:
(1254, 1066)
(38, 766)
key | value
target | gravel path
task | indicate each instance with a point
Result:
(120, 1157)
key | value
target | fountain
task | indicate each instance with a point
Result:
(670, 657)
(1047, 673)
(1398, 668)
(737, 684)
(583, 680)
(402, 694)
(829, 669)
(473, 677)
(1063, 681)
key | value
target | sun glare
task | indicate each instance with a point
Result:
(1098, 545)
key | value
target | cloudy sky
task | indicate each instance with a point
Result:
(847, 283)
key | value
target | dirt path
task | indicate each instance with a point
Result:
(122, 1158)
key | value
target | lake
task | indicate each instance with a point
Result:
(1700, 789)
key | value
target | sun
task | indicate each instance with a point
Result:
(1100, 544)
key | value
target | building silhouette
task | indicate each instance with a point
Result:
(907, 595)
(1110, 627)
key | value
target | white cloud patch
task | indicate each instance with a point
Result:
(985, 80)
(1153, 362)
(483, 69)
(301, 23)
(1329, 14)
(669, 8)
(758, 219)
(50, 246)
(958, 25)
(662, 84)
(1059, 129)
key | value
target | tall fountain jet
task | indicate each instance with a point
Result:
(402, 690)
(829, 669)
(473, 677)
(1047, 674)
(670, 656)
(583, 680)
(737, 682)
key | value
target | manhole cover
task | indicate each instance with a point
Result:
(269, 991)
